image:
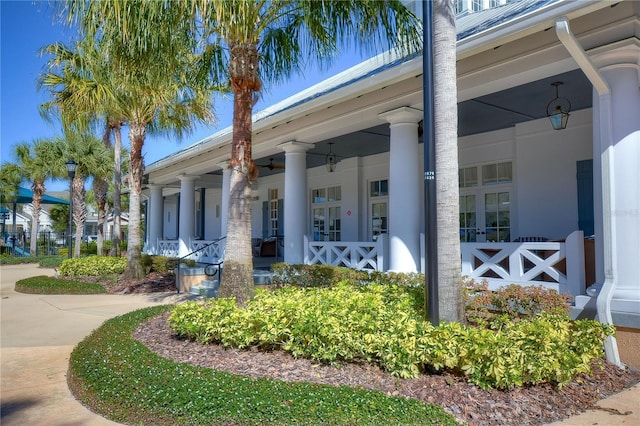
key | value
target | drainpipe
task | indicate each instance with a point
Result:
(603, 301)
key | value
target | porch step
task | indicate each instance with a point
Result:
(207, 288)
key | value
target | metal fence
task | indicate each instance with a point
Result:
(18, 244)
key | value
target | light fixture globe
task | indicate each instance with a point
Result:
(330, 160)
(71, 168)
(558, 110)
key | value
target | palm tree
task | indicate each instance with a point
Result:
(160, 82)
(248, 43)
(80, 81)
(245, 43)
(37, 164)
(90, 154)
(10, 178)
(450, 304)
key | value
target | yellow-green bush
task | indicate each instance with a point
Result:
(301, 275)
(92, 266)
(383, 324)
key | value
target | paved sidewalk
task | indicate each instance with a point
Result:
(39, 332)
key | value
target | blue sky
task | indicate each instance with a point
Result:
(26, 26)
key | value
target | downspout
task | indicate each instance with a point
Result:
(603, 301)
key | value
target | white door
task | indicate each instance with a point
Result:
(485, 215)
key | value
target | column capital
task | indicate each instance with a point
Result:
(155, 186)
(402, 115)
(622, 53)
(187, 178)
(295, 146)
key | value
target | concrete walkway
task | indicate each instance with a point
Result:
(39, 332)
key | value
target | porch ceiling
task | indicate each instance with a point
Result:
(495, 111)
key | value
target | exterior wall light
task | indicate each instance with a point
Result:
(558, 110)
(330, 161)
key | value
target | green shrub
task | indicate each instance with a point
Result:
(154, 263)
(483, 306)
(93, 266)
(384, 325)
(49, 285)
(44, 261)
(118, 377)
(327, 275)
(51, 261)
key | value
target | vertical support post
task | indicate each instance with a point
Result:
(431, 236)
(70, 227)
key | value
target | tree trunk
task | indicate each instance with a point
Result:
(117, 176)
(100, 187)
(237, 278)
(38, 189)
(137, 133)
(79, 211)
(451, 305)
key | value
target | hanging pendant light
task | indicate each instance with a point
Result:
(558, 110)
(330, 161)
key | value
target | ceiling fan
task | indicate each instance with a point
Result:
(272, 165)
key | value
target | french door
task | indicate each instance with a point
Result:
(325, 209)
(485, 215)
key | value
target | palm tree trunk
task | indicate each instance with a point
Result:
(79, 211)
(117, 176)
(38, 189)
(137, 133)
(237, 278)
(450, 304)
(100, 187)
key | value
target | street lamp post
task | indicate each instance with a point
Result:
(71, 170)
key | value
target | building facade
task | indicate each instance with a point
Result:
(341, 163)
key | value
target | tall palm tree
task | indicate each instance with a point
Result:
(81, 84)
(160, 84)
(10, 178)
(450, 302)
(249, 43)
(245, 43)
(37, 164)
(90, 154)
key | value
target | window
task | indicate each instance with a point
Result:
(485, 210)
(378, 207)
(273, 211)
(496, 173)
(468, 177)
(326, 212)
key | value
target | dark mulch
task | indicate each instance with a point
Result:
(531, 405)
(153, 283)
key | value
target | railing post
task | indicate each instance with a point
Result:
(574, 246)
(382, 260)
(305, 249)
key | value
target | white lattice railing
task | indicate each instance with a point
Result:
(364, 255)
(555, 265)
(207, 250)
(169, 248)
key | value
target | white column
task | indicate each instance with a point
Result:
(224, 202)
(186, 226)
(295, 200)
(620, 68)
(156, 213)
(404, 189)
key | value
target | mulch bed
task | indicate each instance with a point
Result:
(529, 405)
